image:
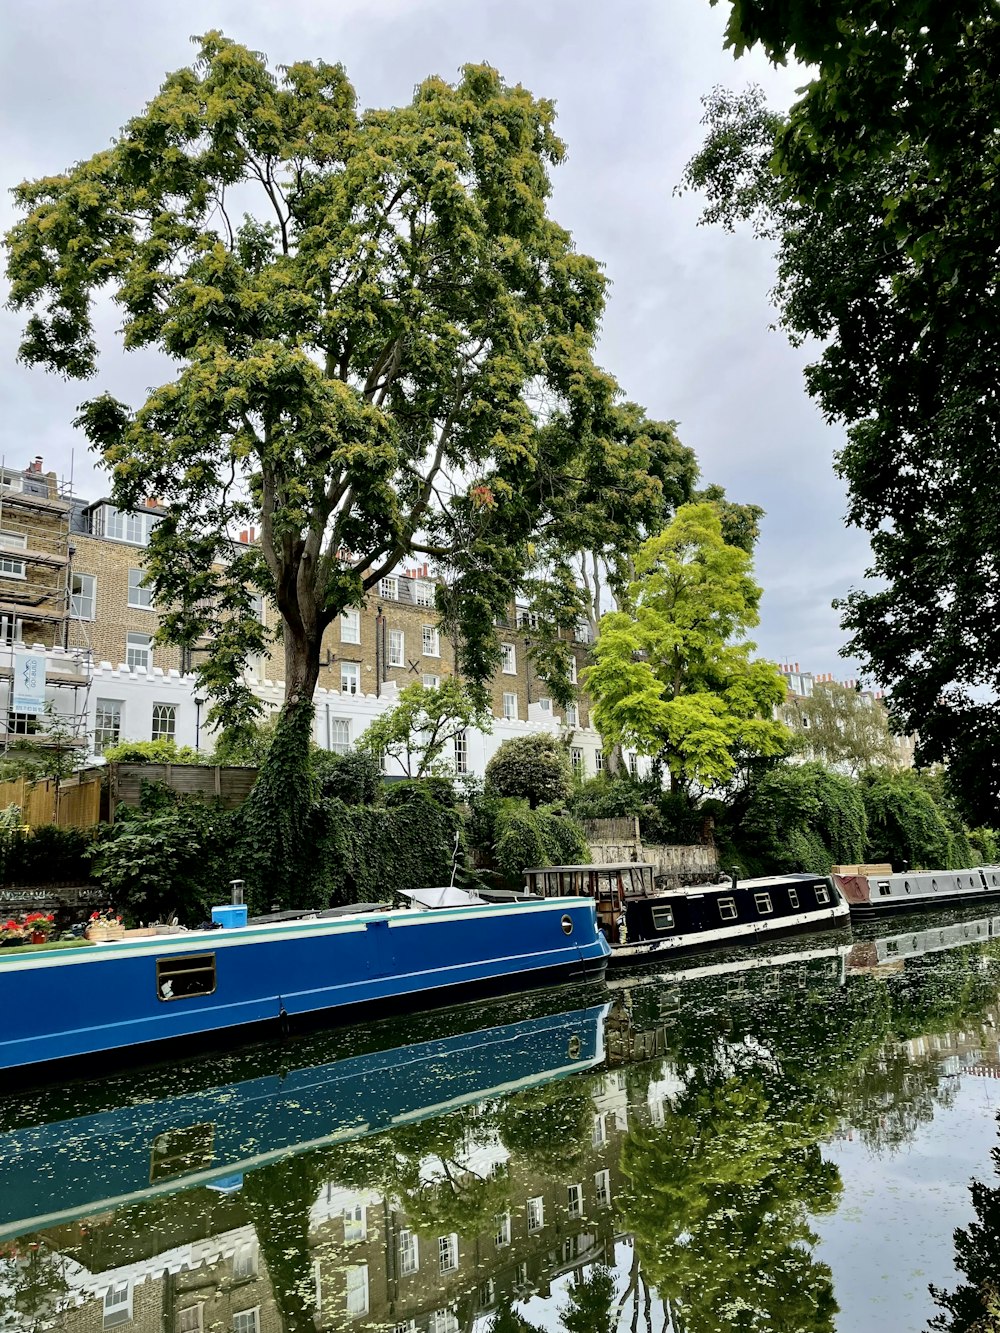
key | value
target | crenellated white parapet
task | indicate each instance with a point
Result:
(341, 718)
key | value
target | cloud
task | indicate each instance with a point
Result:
(686, 331)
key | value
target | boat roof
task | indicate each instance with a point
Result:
(611, 865)
(444, 896)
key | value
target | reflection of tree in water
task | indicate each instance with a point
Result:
(974, 1305)
(889, 1096)
(589, 1308)
(32, 1284)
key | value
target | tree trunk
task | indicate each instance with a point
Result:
(301, 665)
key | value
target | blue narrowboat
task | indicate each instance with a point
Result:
(132, 995)
(213, 1134)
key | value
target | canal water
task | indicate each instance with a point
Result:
(800, 1139)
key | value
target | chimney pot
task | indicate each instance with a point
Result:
(253, 534)
(243, 537)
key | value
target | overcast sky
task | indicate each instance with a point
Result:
(687, 328)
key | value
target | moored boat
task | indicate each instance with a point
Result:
(641, 920)
(912, 890)
(133, 995)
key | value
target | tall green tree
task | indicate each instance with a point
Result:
(879, 189)
(673, 675)
(842, 727)
(423, 724)
(374, 325)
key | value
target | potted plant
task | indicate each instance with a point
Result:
(105, 925)
(11, 932)
(38, 926)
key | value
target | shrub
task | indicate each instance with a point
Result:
(524, 838)
(49, 855)
(173, 856)
(532, 768)
(354, 778)
(440, 790)
(804, 817)
(154, 752)
(906, 825)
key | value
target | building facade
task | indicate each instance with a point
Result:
(71, 585)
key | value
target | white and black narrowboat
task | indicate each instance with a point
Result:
(913, 890)
(640, 919)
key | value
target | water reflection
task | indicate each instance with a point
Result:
(653, 1152)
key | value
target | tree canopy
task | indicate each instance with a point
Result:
(673, 675)
(878, 188)
(841, 727)
(381, 345)
(423, 724)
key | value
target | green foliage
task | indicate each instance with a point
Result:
(45, 854)
(274, 824)
(419, 730)
(154, 752)
(533, 768)
(906, 826)
(524, 838)
(389, 312)
(881, 198)
(244, 747)
(354, 778)
(54, 753)
(172, 857)
(673, 676)
(365, 853)
(973, 1306)
(844, 728)
(804, 817)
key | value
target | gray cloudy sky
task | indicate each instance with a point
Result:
(686, 332)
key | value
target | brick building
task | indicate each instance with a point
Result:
(71, 582)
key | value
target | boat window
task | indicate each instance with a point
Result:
(933, 883)
(763, 901)
(727, 909)
(822, 893)
(180, 1151)
(663, 918)
(906, 885)
(183, 978)
(567, 925)
(793, 897)
(884, 888)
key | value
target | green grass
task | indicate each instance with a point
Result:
(11, 950)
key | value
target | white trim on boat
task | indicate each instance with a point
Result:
(744, 930)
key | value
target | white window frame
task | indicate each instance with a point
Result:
(388, 587)
(763, 904)
(501, 1237)
(576, 760)
(602, 1188)
(409, 1252)
(461, 744)
(508, 659)
(139, 598)
(107, 732)
(245, 1263)
(350, 673)
(117, 1303)
(350, 626)
(510, 706)
(572, 670)
(247, 1321)
(130, 526)
(822, 893)
(430, 640)
(133, 650)
(340, 735)
(448, 1253)
(793, 899)
(357, 1299)
(164, 714)
(423, 592)
(9, 567)
(727, 909)
(598, 761)
(355, 1224)
(536, 1213)
(397, 648)
(487, 1293)
(572, 715)
(83, 602)
(574, 1200)
(599, 1137)
(430, 681)
(183, 1322)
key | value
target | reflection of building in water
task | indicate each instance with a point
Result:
(976, 1053)
(158, 1267)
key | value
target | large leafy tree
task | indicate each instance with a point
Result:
(673, 675)
(418, 731)
(879, 187)
(380, 345)
(842, 727)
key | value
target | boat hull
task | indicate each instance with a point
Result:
(738, 933)
(884, 895)
(71, 1004)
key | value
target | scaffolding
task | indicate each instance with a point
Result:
(37, 604)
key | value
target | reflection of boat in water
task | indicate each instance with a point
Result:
(915, 890)
(643, 921)
(70, 1167)
(891, 952)
(61, 1004)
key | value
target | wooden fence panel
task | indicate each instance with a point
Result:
(79, 806)
(230, 785)
(76, 805)
(625, 830)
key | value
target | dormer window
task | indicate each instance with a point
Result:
(121, 526)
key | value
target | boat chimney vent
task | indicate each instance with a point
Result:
(734, 874)
(237, 886)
